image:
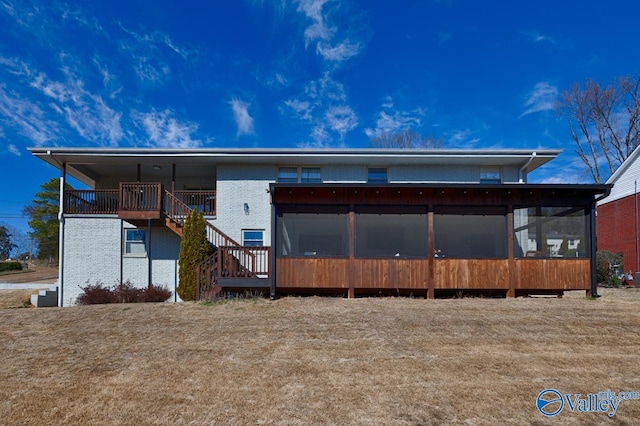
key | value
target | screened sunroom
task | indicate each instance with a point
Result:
(425, 239)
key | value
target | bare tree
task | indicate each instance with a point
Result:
(604, 123)
(405, 139)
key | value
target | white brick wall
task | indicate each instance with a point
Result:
(236, 186)
(93, 253)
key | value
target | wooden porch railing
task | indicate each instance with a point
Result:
(231, 262)
(204, 201)
(81, 201)
(140, 196)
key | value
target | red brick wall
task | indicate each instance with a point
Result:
(616, 230)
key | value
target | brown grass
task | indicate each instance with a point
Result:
(390, 361)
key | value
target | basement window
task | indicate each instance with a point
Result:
(135, 242)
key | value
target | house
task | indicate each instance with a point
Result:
(337, 221)
(617, 221)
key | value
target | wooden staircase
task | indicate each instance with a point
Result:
(230, 265)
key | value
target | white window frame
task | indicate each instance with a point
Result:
(300, 178)
(245, 240)
(127, 240)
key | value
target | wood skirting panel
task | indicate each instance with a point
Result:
(482, 274)
(553, 274)
(312, 273)
(391, 273)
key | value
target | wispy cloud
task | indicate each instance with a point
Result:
(318, 28)
(164, 130)
(83, 110)
(340, 52)
(341, 119)
(464, 138)
(537, 37)
(334, 44)
(27, 117)
(393, 120)
(14, 150)
(147, 54)
(324, 105)
(543, 97)
(244, 121)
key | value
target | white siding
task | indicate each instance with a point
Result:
(344, 174)
(625, 184)
(424, 174)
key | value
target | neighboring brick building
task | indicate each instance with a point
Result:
(617, 219)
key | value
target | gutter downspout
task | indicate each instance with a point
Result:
(63, 174)
(523, 168)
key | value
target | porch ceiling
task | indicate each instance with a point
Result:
(86, 164)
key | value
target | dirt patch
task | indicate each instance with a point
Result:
(392, 361)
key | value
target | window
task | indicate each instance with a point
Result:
(310, 175)
(470, 232)
(252, 238)
(299, 175)
(135, 242)
(490, 175)
(288, 174)
(391, 232)
(313, 231)
(550, 232)
(377, 175)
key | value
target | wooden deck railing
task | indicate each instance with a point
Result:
(81, 201)
(204, 201)
(140, 196)
(244, 261)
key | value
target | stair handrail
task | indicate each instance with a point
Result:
(178, 211)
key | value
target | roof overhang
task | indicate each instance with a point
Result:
(86, 164)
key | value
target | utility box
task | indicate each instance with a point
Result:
(636, 280)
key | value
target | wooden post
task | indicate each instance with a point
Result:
(510, 252)
(352, 250)
(431, 293)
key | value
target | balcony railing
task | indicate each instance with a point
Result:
(81, 201)
(135, 197)
(203, 201)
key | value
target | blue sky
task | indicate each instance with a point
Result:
(296, 73)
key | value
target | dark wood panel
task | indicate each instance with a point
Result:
(483, 274)
(553, 274)
(312, 273)
(391, 273)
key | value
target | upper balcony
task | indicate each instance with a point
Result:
(135, 200)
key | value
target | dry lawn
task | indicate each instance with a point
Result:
(387, 361)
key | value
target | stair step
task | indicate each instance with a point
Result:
(45, 298)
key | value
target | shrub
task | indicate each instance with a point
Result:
(94, 294)
(194, 248)
(605, 261)
(10, 266)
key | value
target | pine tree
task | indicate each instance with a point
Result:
(194, 248)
